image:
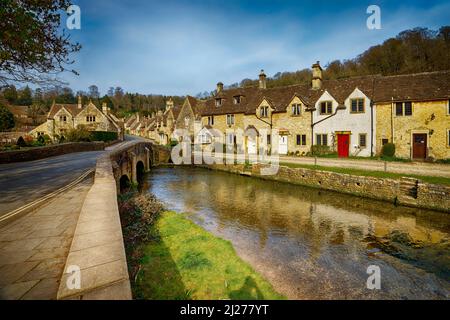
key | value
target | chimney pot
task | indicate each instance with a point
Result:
(262, 80)
(317, 76)
(219, 87)
(105, 108)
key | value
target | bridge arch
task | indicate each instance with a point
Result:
(124, 183)
(140, 171)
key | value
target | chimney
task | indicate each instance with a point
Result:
(105, 108)
(317, 76)
(219, 87)
(80, 104)
(262, 80)
(169, 104)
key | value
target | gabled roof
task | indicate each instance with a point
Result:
(71, 108)
(419, 87)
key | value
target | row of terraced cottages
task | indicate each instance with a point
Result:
(353, 116)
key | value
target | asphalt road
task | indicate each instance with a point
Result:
(24, 182)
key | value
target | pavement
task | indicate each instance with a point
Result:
(34, 248)
(416, 168)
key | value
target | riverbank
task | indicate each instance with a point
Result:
(406, 191)
(177, 259)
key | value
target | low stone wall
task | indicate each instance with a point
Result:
(97, 247)
(406, 191)
(49, 151)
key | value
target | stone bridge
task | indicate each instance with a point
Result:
(130, 162)
(97, 248)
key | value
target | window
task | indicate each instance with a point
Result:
(90, 119)
(230, 119)
(326, 107)
(237, 99)
(403, 109)
(62, 118)
(264, 111)
(218, 102)
(448, 138)
(269, 139)
(301, 139)
(384, 141)
(211, 120)
(363, 140)
(296, 109)
(357, 105)
(322, 139)
(231, 139)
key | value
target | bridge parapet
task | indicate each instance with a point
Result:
(97, 248)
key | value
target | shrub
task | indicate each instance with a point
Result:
(388, 150)
(319, 150)
(80, 134)
(21, 142)
(41, 139)
(104, 136)
(173, 143)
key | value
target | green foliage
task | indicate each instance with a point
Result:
(173, 143)
(6, 119)
(104, 136)
(319, 150)
(388, 150)
(196, 265)
(21, 142)
(80, 134)
(32, 41)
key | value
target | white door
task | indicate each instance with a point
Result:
(283, 145)
(251, 146)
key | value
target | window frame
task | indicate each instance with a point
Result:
(296, 107)
(301, 140)
(237, 99)
(219, 102)
(210, 120)
(328, 103)
(402, 105)
(365, 140)
(321, 135)
(357, 105)
(230, 119)
(264, 112)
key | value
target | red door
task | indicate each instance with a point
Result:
(343, 145)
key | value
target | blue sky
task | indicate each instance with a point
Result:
(178, 47)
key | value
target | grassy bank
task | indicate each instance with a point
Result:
(184, 261)
(367, 173)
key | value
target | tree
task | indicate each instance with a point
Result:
(93, 92)
(34, 46)
(6, 119)
(25, 96)
(10, 94)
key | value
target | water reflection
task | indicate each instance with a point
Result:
(315, 244)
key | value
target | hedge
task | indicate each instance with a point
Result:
(104, 136)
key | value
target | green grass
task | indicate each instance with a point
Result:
(367, 173)
(190, 263)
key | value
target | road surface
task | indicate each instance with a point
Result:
(24, 182)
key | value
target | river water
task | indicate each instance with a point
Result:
(315, 244)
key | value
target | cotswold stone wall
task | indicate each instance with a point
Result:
(406, 191)
(49, 151)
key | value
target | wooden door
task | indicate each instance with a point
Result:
(283, 145)
(419, 146)
(343, 145)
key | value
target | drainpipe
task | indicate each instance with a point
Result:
(313, 124)
(371, 128)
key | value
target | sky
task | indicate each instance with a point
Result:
(179, 47)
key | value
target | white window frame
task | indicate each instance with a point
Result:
(230, 119)
(297, 109)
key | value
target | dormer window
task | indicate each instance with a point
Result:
(296, 109)
(237, 99)
(62, 118)
(90, 119)
(264, 112)
(218, 102)
(357, 105)
(326, 107)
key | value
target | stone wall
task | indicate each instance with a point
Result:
(406, 191)
(49, 151)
